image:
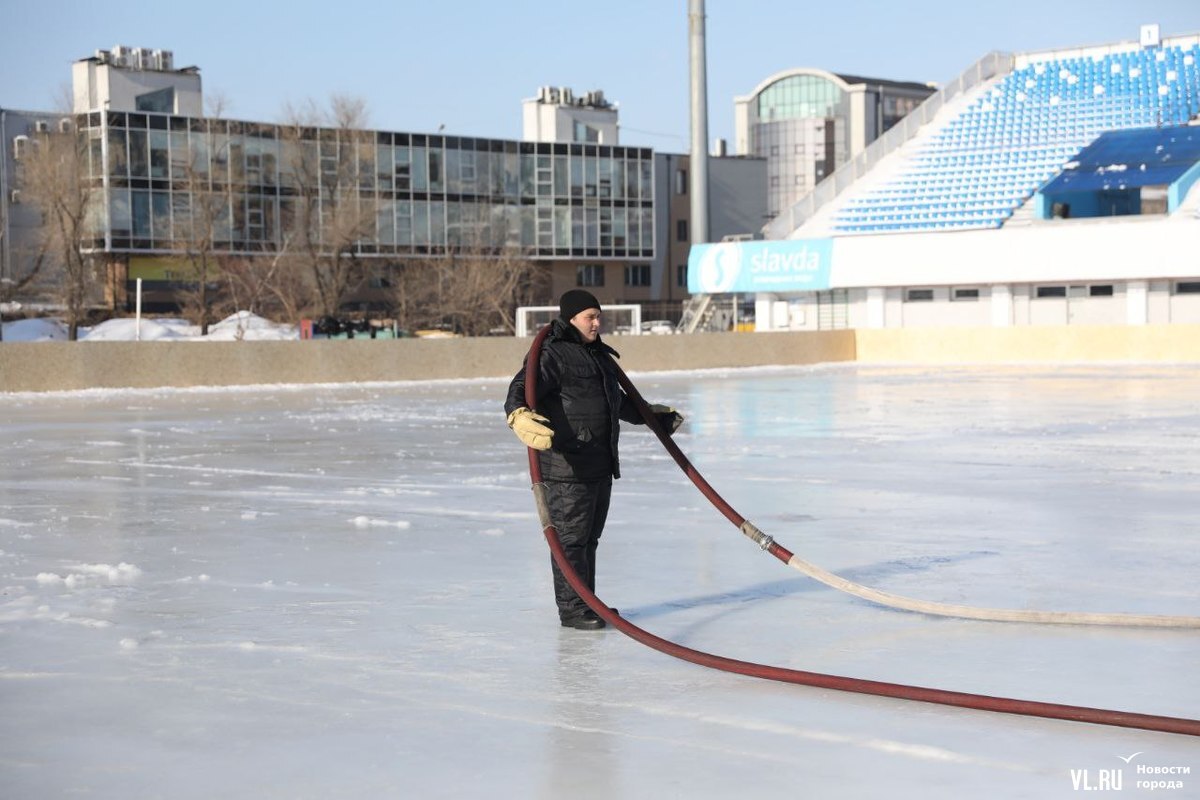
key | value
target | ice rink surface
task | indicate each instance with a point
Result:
(343, 592)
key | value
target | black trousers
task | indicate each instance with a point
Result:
(578, 511)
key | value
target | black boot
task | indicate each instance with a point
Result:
(587, 621)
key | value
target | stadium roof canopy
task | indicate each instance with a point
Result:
(1130, 159)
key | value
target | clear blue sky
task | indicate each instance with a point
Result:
(420, 64)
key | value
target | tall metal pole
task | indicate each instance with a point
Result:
(699, 156)
(5, 196)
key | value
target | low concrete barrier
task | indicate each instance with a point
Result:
(54, 366)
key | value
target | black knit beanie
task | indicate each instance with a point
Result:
(574, 301)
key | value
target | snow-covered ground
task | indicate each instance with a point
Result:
(315, 592)
(242, 325)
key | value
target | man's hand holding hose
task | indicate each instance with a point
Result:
(531, 428)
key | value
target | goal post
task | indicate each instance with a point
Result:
(620, 320)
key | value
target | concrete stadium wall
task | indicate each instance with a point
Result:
(1050, 343)
(55, 366)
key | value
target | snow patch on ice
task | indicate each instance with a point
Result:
(368, 522)
(92, 575)
(24, 609)
(387, 491)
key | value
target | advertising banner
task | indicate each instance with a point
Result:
(787, 265)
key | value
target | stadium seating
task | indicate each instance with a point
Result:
(982, 165)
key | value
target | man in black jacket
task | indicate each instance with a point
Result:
(580, 405)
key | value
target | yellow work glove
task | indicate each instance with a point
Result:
(667, 417)
(528, 427)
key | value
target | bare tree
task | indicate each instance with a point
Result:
(209, 174)
(263, 286)
(416, 295)
(331, 160)
(474, 290)
(202, 219)
(216, 103)
(290, 292)
(54, 178)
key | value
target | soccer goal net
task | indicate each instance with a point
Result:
(613, 320)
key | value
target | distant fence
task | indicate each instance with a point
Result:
(54, 366)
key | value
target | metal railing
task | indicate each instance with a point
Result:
(694, 312)
(986, 68)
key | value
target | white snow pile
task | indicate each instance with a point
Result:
(248, 326)
(35, 330)
(243, 325)
(126, 330)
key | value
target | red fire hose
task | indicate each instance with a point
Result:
(1097, 716)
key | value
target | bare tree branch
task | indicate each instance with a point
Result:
(473, 290)
(333, 172)
(54, 178)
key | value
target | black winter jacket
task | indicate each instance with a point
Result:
(578, 390)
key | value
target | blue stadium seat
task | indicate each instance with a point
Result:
(994, 155)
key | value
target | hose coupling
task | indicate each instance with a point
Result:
(751, 530)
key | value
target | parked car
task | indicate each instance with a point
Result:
(658, 326)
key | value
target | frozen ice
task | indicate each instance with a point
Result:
(342, 591)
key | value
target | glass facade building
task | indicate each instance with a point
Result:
(424, 194)
(801, 130)
(808, 122)
(168, 187)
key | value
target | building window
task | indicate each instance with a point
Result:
(800, 96)
(1051, 291)
(681, 181)
(1101, 290)
(681, 230)
(1187, 287)
(681, 275)
(964, 294)
(586, 133)
(896, 108)
(160, 102)
(637, 275)
(589, 275)
(918, 295)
